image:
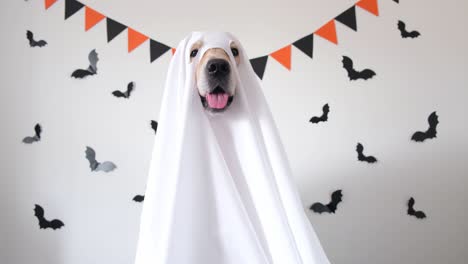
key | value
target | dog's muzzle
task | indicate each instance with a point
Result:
(218, 72)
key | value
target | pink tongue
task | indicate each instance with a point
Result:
(217, 101)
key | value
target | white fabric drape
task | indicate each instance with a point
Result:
(220, 189)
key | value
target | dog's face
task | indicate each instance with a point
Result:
(214, 76)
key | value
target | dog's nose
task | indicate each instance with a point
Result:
(218, 67)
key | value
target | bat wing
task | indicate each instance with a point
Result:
(370, 159)
(130, 88)
(91, 157)
(154, 125)
(106, 166)
(80, 73)
(93, 60)
(315, 120)
(40, 43)
(419, 214)
(30, 37)
(336, 199)
(139, 198)
(29, 140)
(402, 28)
(413, 34)
(118, 93)
(38, 130)
(359, 148)
(348, 65)
(319, 208)
(366, 74)
(55, 224)
(38, 211)
(419, 136)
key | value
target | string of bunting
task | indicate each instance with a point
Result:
(282, 55)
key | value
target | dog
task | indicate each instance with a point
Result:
(214, 76)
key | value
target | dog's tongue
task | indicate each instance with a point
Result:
(217, 100)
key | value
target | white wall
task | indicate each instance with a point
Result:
(414, 78)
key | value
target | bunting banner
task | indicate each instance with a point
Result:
(283, 55)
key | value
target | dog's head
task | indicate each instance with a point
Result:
(214, 75)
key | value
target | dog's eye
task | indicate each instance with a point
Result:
(194, 53)
(235, 52)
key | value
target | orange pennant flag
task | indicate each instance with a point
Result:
(328, 32)
(173, 50)
(370, 6)
(49, 3)
(283, 56)
(92, 17)
(135, 39)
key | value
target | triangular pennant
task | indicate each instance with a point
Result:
(283, 56)
(49, 3)
(369, 5)
(173, 50)
(135, 39)
(259, 65)
(157, 49)
(114, 28)
(92, 17)
(348, 18)
(306, 45)
(328, 32)
(71, 7)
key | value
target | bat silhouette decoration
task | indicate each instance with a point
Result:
(407, 34)
(36, 137)
(331, 206)
(431, 132)
(92, 68)
(126, 94)
(362, 157)
(139, 198)
(323, 117)
(354, 74)
(412, 212)
(105, 166)
(154, 126)
(44, 223)
(34, 43)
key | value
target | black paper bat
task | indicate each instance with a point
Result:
(353, 74)
(36, 137)
(125, 94)
(431, 132)
(330, 207)
(139, 198)
(154, 126)
(92, 68)
(323, 117)
(105, 166)
(34, 43)
(44, 223)
(396, 1)
(362, 157)
(411, 211)
(406, 34)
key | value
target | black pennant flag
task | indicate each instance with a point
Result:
(259, 65)
(71, 7)
(157, 49)
(114, 28)
(348, 18)
(306, 45)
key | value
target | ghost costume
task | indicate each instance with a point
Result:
(220, 187)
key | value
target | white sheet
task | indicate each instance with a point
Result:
(219, 189)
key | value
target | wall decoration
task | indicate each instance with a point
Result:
(431, 132)
(407, 34)
(139, 198)
(105, 166)
(36, 137)
(362, 157)
(92, 68)
(412, 212)
(331, 207)
(323, 117)
(126, 94)
(282, 55)
(154, 126)
(34, 43)
(354, 74)
(44, 223)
